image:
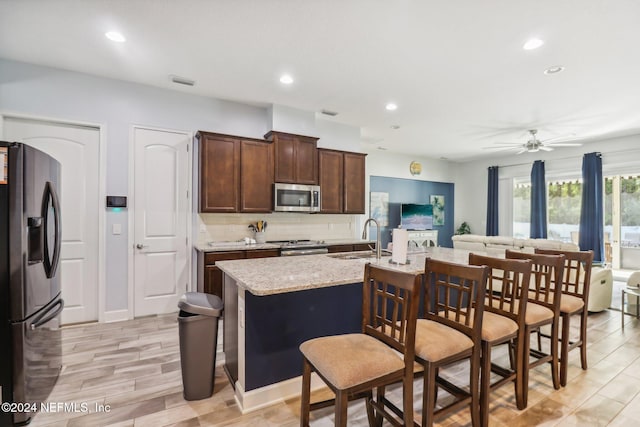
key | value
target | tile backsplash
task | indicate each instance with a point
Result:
(280, 226)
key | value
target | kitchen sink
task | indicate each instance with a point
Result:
(358, 255)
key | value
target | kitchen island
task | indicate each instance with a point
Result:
(272, 305)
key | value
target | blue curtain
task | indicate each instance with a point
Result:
(538, 228)
(492, 202)
(591, 212)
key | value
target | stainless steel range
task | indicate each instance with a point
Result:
(301, 247)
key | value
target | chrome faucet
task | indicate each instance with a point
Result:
(378, 244)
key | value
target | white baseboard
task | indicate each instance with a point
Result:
(115, 316)
(273, 393)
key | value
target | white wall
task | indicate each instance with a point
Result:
(31, 90)
(39, 91)
(384, 163)
(619, 155)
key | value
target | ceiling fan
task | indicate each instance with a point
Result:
(533, 145)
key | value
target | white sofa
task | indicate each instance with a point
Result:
(601, 286)
(498, 244)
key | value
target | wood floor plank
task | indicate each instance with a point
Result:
(134, 366)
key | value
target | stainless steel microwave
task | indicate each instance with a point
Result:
(296, 198)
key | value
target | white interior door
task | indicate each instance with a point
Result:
(77, 148)
(161, 214)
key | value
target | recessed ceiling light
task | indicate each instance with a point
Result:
(286, 79)
(181, 80)
(553, 70)
(115, 36)
(391, 106)
(532, 44)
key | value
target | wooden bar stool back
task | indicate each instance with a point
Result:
(543, 309)
(573, 301)
(503, 322)
(450, 332)
(352, 365)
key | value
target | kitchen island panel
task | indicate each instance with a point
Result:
(276, 325)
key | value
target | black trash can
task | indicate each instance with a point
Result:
(198, 330)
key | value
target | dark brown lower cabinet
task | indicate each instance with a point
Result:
(351, 248)
(364, 246)
(210, 276)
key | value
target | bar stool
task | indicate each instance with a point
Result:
(503, 322)
(573, 301)
(633, 289)
(449, 333)
(543, 309)
(353, 365)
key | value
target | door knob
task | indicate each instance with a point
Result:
(140, 246)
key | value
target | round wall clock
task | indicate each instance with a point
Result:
(415, 168)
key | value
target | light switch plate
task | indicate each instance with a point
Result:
(117, 228)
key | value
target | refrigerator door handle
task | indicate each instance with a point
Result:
(52, 260)
(47, 315)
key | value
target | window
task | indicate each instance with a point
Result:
(564, 200)
(563, 209)
(630, 212)
(521, 210)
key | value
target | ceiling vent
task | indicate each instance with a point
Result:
(329, 113)
(182, 80)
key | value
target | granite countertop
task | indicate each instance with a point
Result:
(269, 276)
(233, 246)
(242, 246)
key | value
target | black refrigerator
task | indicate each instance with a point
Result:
(30, 297)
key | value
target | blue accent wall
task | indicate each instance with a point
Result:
(413, 191)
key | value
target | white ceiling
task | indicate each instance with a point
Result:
(456, 69)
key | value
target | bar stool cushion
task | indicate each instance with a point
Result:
(536, 313)
(435, 341)
(494, 326)
(570, 304)
(351, 359)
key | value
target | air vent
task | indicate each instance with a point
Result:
(182, 80)
(329, 113)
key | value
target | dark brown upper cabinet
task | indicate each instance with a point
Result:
(236, 174)
(354, 179)
(342, 181)
(296, 158)
(219, 172)
(331, 177)
(256, 176)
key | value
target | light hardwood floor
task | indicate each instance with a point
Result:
(134, 367)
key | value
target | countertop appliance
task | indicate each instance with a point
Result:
(301, 247)
(296, 198)
(30, 297)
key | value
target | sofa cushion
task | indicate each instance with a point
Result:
(544, 244)
(499, 240)
(569, 247)
(470, 246)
